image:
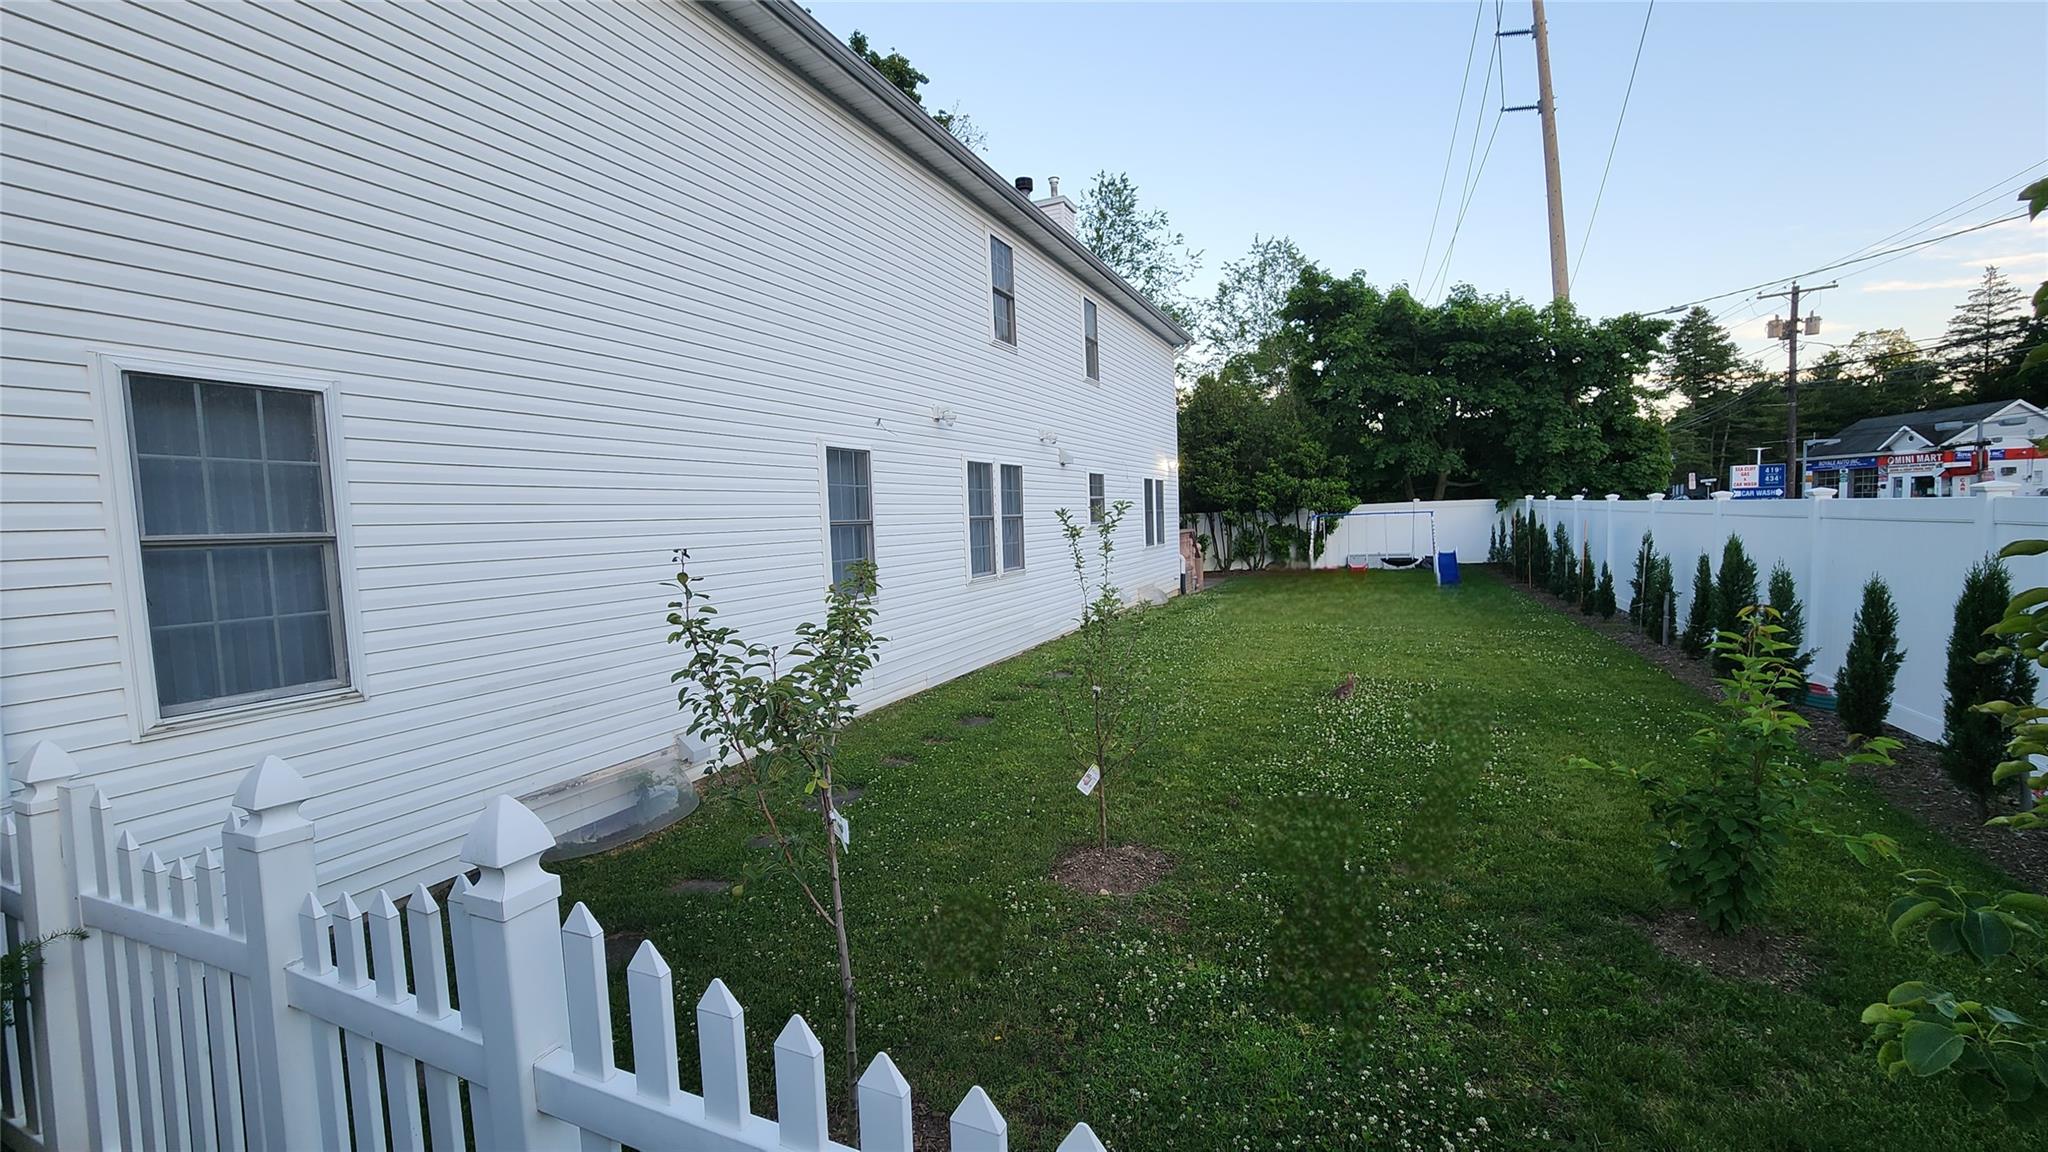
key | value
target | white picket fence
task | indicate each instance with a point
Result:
(215, 1003)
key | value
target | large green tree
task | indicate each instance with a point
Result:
(1140, 244)
(897, 69)
(1475, 393)
(1251, 456)
(1983, 333)
(1242, 320)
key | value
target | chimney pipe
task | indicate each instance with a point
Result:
(1024, 185)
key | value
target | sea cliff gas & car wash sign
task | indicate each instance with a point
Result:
(1757, 481)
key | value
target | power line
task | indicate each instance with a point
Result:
(1451, 146)
(1470, 183)
(1950, 212)
(1594, 215)
(1917, 244)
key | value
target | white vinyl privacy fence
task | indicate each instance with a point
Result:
(214, 1002)
(1921, 548)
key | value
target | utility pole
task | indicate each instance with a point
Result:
(1788, 331)
(1553, 180)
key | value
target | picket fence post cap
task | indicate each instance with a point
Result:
(271, 785)
(883, 1077)
(581, 923)
(797, 1038)
(977, 1113)
(506, 834)
(718, 1000)
(1081, 1139)
(647, 961)
(45, 762)
(423, 901)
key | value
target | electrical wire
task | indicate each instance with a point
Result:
(1494, 67)
(1594, 215)
(1966, 205)
(1451, 147)
(1903, 248)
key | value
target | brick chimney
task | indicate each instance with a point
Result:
(1057, 206)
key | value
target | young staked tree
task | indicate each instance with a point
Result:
(1981, 669)
(1863, 685)
(1734, 590)
(1106, 725)
(1700, 615)
(1784, 600)
(775, 713)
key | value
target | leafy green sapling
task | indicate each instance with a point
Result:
(1100, 713)
(774, 713)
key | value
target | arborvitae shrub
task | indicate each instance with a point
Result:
(1699, 616)
(1539, 553)
(1734, 590)
(1603, 595)
(1589, 580)
(1784, 597)
(1564, 566)
(1863, 686)
(1641, 601)
(1973, 743)
(1667, 588)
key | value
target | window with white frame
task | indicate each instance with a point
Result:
(1002, 276)
(1013, 517)
(849, 508)
(240, 565)
(981, 518)
(1090, 350)
(1098, 504)
(1159, 512)
(1148, 512)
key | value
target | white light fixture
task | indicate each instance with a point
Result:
(1048, 437)
(943, 416)
(1064, 458)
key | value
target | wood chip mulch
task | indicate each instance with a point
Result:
(1915, 783)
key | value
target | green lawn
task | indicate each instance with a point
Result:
(1395, 921)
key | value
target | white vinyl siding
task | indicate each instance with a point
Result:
(850, 509)
(591, 282)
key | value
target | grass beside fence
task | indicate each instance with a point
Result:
(1394, 920)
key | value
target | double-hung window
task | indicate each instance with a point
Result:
(981, 519)
(849, 508)
(1013, 517)
(1155, 511)
(1002, 277)
(1091, 352)
(1098, 504)
(240, 567)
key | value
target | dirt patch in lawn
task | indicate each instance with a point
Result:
(1119, 870)
(898, 761)
(1751, 954)
(701, 887)
(1914, 783)
(619, 948)
(843, 796)
(976, 720)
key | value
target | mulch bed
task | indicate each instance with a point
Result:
(1751, 954)
(1119, 870)
(1915, 782)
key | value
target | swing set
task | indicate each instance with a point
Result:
(1398, 540)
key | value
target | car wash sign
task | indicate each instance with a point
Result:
(1757, 481)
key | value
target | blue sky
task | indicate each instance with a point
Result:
(1761, 140)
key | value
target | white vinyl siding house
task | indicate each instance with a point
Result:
(495, 306)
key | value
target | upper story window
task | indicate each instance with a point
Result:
(1013, 517)
(1002, 276)
(1098, 504)
(981, 519)
(850, 509)
(240, 567)
(1091, 351)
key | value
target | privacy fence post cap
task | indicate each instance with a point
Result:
(1614, 495)
(504, 835)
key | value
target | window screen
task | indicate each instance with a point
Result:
(850, 509)
(1098, 506)
(1159, 511)
(1013, 516)
(1002, 275)
(981, 519)
(1091, 351)
(239, 568)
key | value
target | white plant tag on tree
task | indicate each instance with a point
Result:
(842, 829)
(1089, 780)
